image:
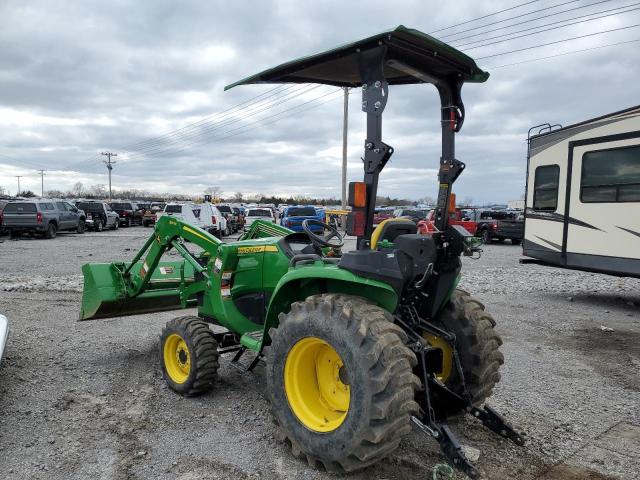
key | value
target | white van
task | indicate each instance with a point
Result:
(258, 213)
(203, 215)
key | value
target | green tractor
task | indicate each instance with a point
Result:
(359, 345)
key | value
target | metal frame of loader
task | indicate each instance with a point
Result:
(452, 241)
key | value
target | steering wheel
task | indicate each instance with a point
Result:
(323, 240)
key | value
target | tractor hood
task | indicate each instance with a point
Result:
(411, 57)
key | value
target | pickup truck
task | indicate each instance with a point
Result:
(487, 224)
(232, 216)
(500, 225)
(292, 217)
(130, 213)
(42, 217)
(459, 217)
(381, 214)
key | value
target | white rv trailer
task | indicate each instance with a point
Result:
(583, 195)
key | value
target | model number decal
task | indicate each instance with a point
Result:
(262, 248)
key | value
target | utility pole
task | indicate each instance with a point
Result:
(345, 128)
(41, 183)
(109, 165)
(18, 177)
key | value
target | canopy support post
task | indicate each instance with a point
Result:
(375, 91)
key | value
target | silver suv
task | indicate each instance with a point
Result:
(43, 217)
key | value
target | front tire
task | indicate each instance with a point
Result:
(81, 226)
(189, 356)
(477, 345)
(340, 381)
(486, 237)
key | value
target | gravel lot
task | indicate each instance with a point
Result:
(87, 400)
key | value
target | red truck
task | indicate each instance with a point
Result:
(459, 217)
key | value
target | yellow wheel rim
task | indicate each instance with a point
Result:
(313, 381)
(447, 355)
(177, 359)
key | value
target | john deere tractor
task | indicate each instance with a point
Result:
(359, 345)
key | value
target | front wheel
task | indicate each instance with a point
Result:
(340, 381)
(486, 237)
(116, 224)
(189, 355)
(81, 226)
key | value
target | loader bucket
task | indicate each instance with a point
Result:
(105, 289)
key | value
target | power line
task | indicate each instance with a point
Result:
(537, 26)
(204, 119)
(244, 128)
(548, 29)
(565, 53)
(214, 127)
(247, 111)
(558, 41)
(485, 16)
(513, 18)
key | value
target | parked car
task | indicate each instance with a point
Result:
(233, 220)
(381, 214)
(130, 213)
(240, 214)
(3, 202)
(500, 225)
(292, 217)
(42, 217)
(258, 213)
(150, 214)
(464, 218)
(99, 215)
(4, 333)
(203, 215)
(415, 214)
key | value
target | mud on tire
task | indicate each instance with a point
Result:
(379, 371)
(203, 352)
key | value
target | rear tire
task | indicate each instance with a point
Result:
(129, 222)
(478, 346)
(516, 241)
(486, 236)
(189, 356)
(367, 358)
(98, 227)
(51, 231)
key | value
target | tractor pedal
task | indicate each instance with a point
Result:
(496, 422)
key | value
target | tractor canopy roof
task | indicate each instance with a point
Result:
(411, 57)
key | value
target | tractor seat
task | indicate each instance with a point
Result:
(391, 228)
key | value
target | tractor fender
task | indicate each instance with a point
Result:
(303, 281)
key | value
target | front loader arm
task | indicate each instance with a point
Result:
(168, 233)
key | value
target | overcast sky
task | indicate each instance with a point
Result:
(78, 78)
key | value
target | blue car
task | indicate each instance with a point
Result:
(292, 217)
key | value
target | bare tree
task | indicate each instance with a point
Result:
(238, 197)
(468, 200)
(77, 190)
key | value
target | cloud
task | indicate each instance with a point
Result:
(78, 78)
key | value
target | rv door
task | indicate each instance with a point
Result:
(603, 228)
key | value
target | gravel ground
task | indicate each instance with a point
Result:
(87, 400)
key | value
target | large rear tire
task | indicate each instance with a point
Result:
(477, 345)
(189, 356)
(340, 381)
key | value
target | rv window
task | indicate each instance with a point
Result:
(545, 190)
(611, 175)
